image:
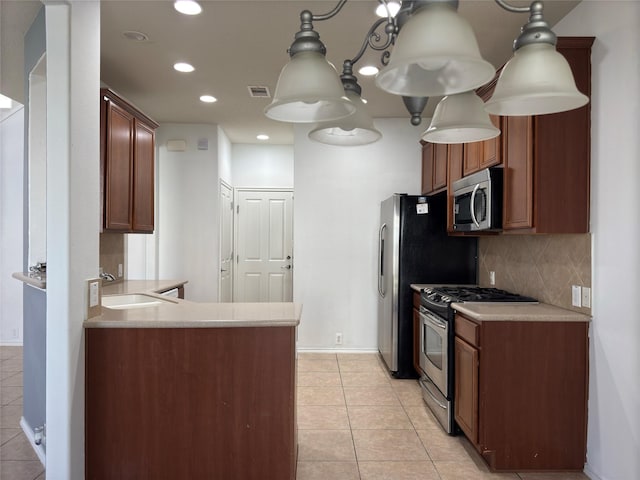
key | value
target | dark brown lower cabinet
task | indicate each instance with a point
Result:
(521, 392)
(190, 403)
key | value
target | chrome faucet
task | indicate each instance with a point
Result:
(107, 276)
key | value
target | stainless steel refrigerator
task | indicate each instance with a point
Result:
(414, 247)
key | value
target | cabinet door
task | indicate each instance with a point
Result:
(440, 166)
(119, 168)
(466, 389)
(427, 168)
(491, 154)
(472, 154)
(143, 179)
(518, 173)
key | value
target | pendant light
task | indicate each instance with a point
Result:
(538, 79)
(356, 129)
(435, 53)
(460, 118)
(308, 89)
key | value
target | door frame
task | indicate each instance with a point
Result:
(236, 193)
(222, 185)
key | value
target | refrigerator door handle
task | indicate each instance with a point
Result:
(381, 285)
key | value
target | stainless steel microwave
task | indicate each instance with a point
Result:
(477, 201)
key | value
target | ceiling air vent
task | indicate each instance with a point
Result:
(259, 92)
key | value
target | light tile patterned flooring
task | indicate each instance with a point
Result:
(355, 422)
(18, 461)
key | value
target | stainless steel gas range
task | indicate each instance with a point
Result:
(437, 338)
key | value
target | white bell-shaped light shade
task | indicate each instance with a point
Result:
(460, 118)
(436, 53)
(356, 129)
(309, 90)
(536, 81)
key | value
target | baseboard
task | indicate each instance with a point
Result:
(590, 473)
(39, 449)
(336, 350)
(16, 343)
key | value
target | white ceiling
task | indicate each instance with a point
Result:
(234, 44)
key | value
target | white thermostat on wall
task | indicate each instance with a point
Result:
(422, 208)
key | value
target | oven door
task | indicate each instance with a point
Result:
(433, 349)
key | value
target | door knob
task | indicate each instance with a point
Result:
(288, 267)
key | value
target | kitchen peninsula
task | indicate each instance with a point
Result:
(191, 390)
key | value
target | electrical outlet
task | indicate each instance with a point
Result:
(338, 339)
(94, 294)
(586, 297)
(576, 295)
(492, 278)
(120, 270)
(94, 290)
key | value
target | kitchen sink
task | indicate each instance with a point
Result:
(135, 300)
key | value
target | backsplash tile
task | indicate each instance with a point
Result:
(540, 266)
(112, 253)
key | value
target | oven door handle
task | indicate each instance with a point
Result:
(473, 205)
(425, 385)
(427, 317)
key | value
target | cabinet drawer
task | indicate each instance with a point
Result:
(467, 330)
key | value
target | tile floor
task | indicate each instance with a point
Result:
(355, 422)
(18, 461)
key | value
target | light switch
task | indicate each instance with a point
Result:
(576, 295)
(586, 297)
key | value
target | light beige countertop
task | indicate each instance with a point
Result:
(35, 279)
(518, 312)
(178, 313)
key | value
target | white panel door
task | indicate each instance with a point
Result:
(264, 246)
(226, 243)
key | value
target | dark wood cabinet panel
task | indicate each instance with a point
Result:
(481, 155)
(466, 388)
(127, 159)
(119, 168)
(547, 160)
(434, 167)
(143, 176)
(428, 151)
(190, 403)
(521, 392)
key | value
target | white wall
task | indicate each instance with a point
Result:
(187, 203)
(266, 166)
(11, 171)
(614, 398)
(338, 191)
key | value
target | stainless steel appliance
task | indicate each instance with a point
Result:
(414, 248)
(437, 338)
(477, 201)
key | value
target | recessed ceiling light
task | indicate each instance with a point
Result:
(5, 102)
(208, 99)
(187, 7)
(135, 36)
(262, 136)
(393, 7)
(368, 70)
(184, 67)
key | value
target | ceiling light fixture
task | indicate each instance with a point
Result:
(537, 80)
(183, 67)
(368, 70)
(460, 118)
(262, 136)
(187, 7)
(208, 99)
(391, 8)
(5, 102)
(434, 52)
